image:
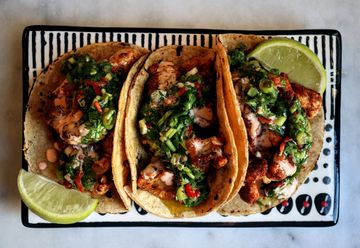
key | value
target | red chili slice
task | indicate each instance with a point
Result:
(276, 80)
(190, 128)
(95, 87)
(190, 192)
(77, 180)
(181, 91)
(98, 107)
(283, 144)
(264, 120)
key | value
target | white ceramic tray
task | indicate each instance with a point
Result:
(320, 192)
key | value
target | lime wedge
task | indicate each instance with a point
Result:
(293, 58)
(52, 201)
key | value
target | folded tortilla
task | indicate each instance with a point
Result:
(225, 44)
(38, 137)
(221, 182)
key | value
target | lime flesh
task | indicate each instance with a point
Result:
(295, 59)
(52, 201)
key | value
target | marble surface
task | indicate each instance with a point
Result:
(228, 14)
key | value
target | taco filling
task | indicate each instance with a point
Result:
(276, 115)
(178, 126)
(83, 107)
(83, 112)
(86, 167)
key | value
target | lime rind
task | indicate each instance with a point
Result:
(259, 51)
(52, 201)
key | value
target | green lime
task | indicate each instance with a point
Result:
(293, 58)
(52, 201)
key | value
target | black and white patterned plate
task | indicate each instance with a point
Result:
(317, 200)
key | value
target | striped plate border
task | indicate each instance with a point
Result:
(42, 44)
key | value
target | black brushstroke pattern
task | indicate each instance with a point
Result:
(66, 42)
(33, 49)
(42, 50)
(150, 41)
(88, 38)
(73, 41)
(157, 41)
(202, 40)
(210, 40)
(316, 45)
(81, 39)
(134, 39)
(58, 44)
(143, 40)
(126, 37)
(180, 40)
(165, 41)
(51, 47)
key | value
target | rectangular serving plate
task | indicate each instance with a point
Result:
(42, 44)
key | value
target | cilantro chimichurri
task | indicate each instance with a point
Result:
(269, 95)
(97, 91)
(166, 126)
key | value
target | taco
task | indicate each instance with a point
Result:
(283, 120)
(70, 120)
(178, 140)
